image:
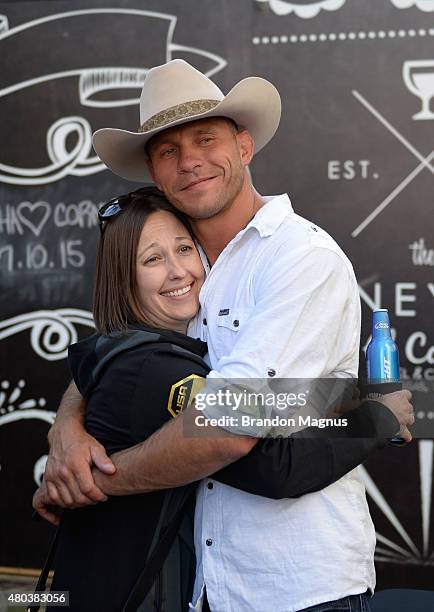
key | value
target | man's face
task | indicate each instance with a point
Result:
(200, 165)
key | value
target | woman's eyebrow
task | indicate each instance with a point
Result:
(155, 244)
(150, 246)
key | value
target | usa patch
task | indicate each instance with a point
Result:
(182, 393)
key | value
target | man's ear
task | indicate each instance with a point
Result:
(246, 146)
(151, 172)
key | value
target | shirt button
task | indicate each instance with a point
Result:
(271, 372)
(236, 323)
(204, 321)
(208, 542)
(210, 485)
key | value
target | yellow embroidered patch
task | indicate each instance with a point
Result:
(183, 392)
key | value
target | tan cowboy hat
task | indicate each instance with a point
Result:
(176, 93)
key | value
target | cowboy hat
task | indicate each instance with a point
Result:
(176, 93)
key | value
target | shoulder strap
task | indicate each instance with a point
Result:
(43, 577)
(174, 506)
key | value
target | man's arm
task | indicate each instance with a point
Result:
(168, 459)
(312, 459)
(275, 468)
(177, 454)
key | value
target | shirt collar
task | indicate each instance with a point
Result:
(266, 221)
(270, 216)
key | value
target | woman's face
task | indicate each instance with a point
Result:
(169, 272)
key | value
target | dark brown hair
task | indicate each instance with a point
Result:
(115, 298)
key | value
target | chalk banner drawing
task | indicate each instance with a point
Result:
(100, 86)
(51, 331)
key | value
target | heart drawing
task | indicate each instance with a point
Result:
(34, 215)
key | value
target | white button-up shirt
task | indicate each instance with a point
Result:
(281, 300)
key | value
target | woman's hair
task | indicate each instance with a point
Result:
(115, 299)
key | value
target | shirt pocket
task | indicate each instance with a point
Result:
(228, 329)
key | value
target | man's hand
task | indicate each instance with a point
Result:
(68, 475)
(68, 479)
(41, 503)
(399, 403)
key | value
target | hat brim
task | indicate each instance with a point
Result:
(253, 103)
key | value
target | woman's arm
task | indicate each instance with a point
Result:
(305, 462)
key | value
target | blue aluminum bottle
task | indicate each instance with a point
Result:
(382, 356)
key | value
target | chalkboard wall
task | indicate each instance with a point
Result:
(354, 151)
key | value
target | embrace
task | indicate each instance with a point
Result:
(201, 278)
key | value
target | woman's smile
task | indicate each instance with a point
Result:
(179, 293)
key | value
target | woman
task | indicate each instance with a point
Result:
(148, 278)
(131, 372)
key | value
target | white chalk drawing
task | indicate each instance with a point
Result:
(4, 24)
(423, 5)
(51, 331)
(404, 550)
(39, 469)
(10, 394)
(33, 216)
(418, 76)
(67, 254)
(14, 408)
(424, 162)
(305, 10)
(25, 212)
(93, 82)
(75, 162)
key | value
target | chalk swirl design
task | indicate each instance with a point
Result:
(52, 331)
(64, 162)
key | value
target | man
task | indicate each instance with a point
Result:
(280, 301)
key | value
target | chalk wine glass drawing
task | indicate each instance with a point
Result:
(418, 76)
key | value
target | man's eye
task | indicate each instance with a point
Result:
(168, 152)
(206, 139)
